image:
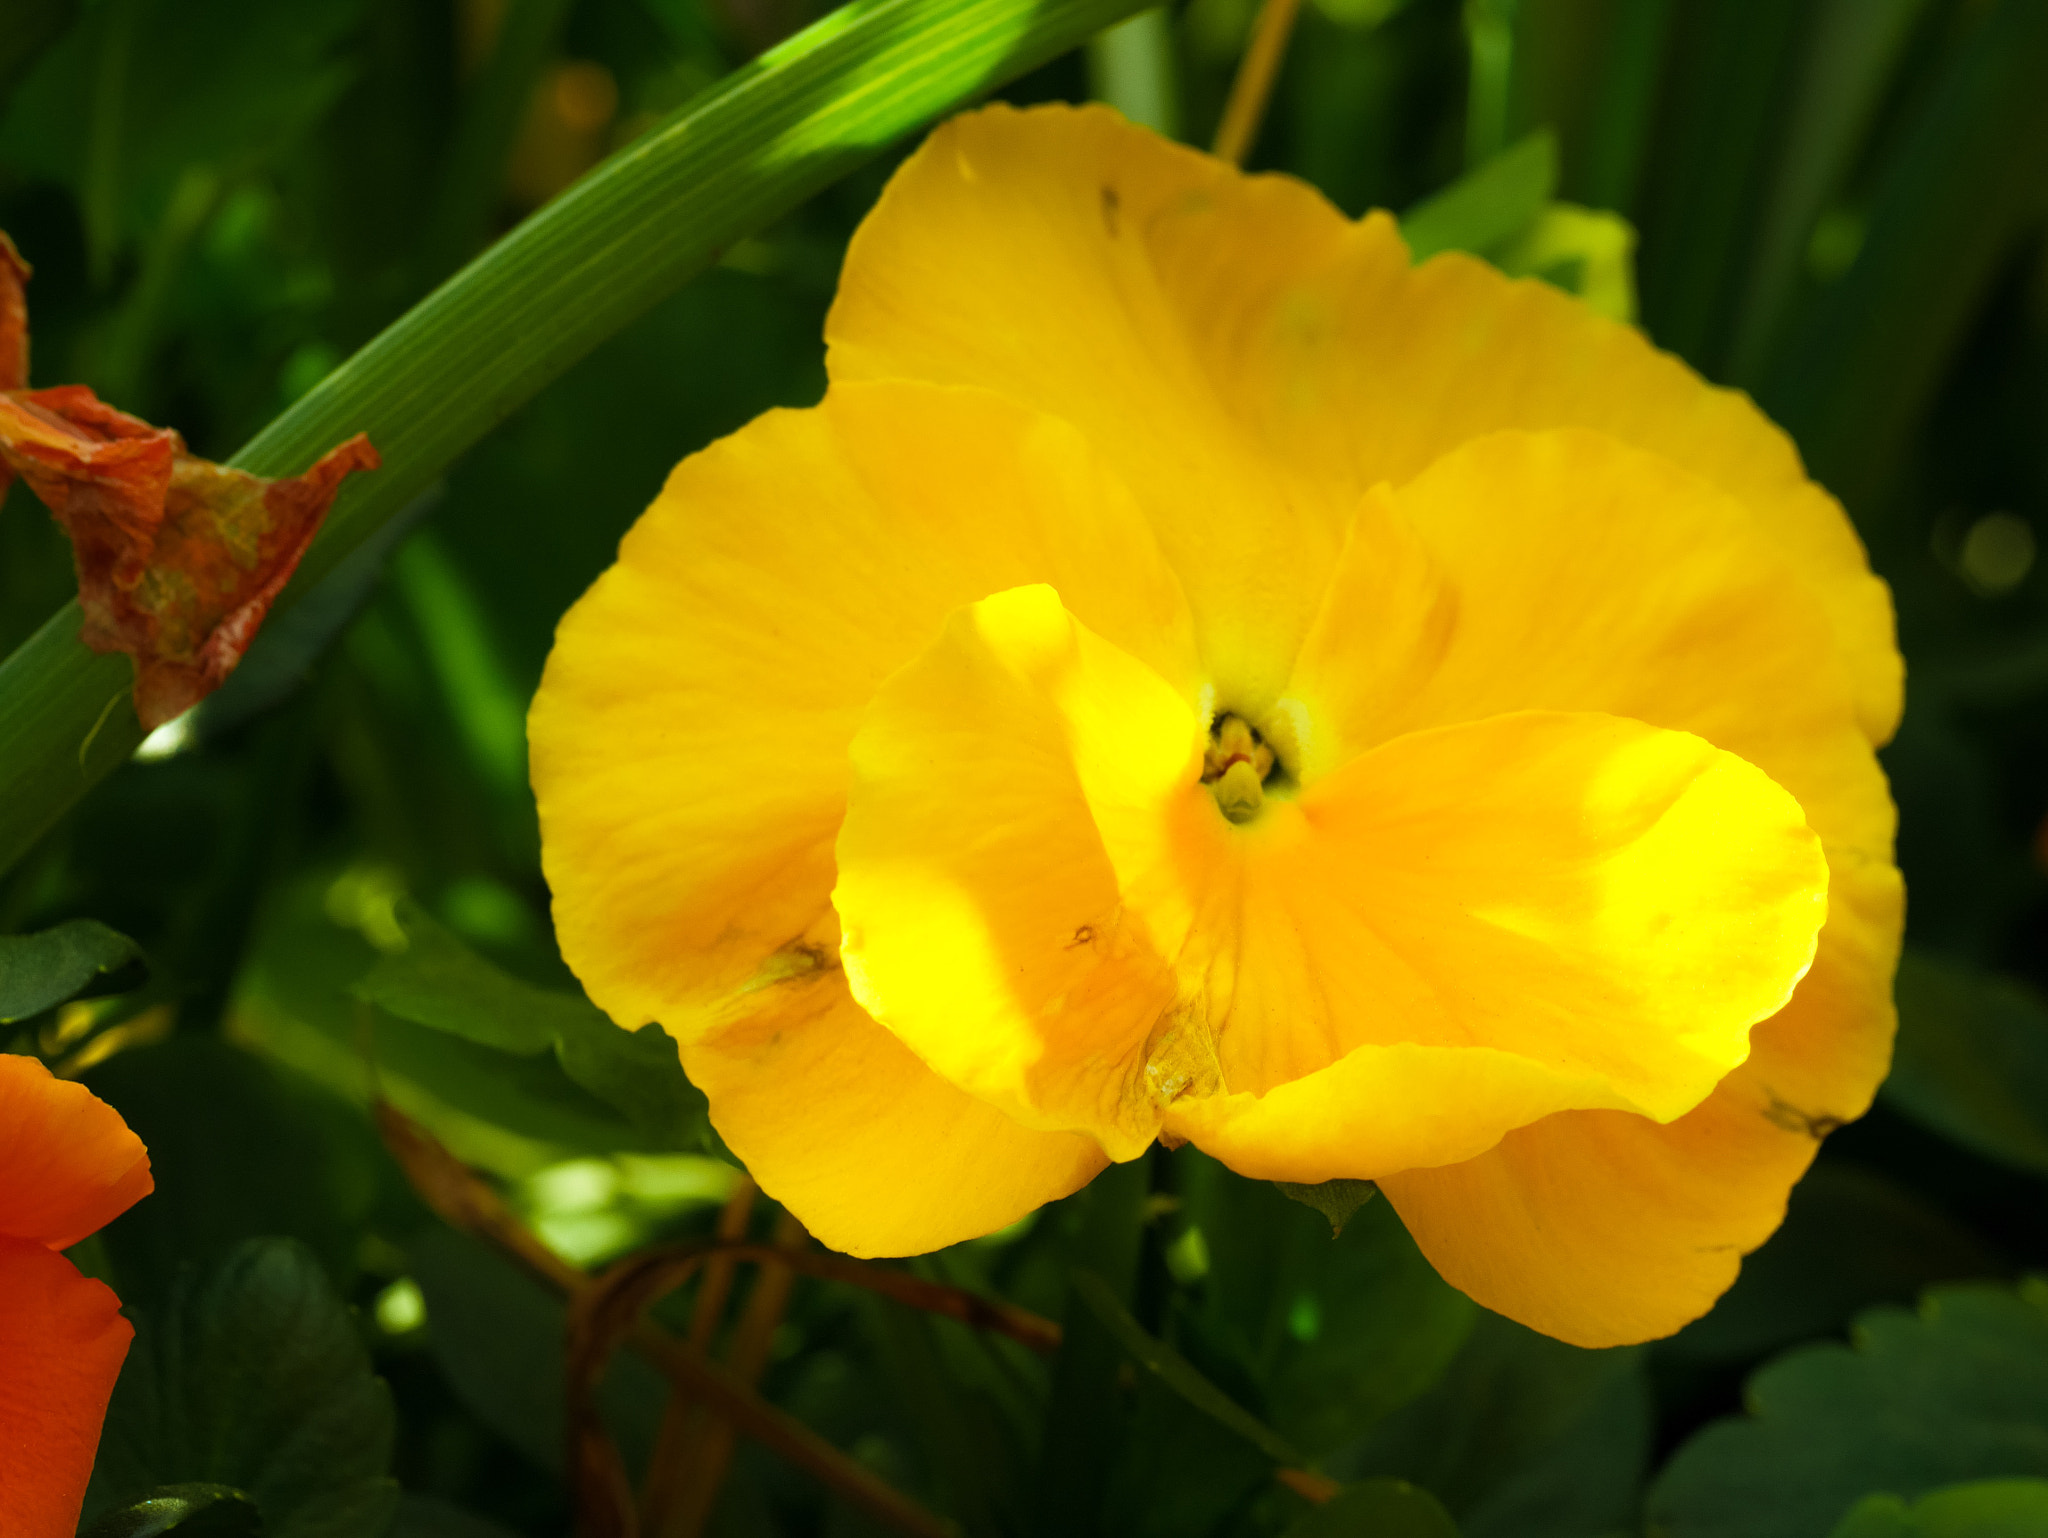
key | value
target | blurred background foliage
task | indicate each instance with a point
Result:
(330, 870)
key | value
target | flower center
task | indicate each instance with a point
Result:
(1236, 767)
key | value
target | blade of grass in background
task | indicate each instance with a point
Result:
(1964, 189)
(1722, 104)
(1851, 55)
(600, 255)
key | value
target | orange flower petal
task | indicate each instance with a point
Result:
(1254, 362)
(68, 1163)
(62, 1340)
(873, 1152)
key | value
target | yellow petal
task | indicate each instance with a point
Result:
(1606, 1229)
(1017, 252)
(983, 918)
(1256, 362)
(1568, 571)
(1478, 926)
(689, 737)
(1454, 935)
(873, 1152)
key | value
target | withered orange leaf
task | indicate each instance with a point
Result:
(14, 273)
(178, 558)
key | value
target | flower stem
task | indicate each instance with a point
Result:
(1253, 87)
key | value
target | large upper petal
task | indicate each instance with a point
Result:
(1253, 362)
(1454, 935)
(68, 1163)
(689, 738)
(62, 1342)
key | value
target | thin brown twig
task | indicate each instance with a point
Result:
(1308, 1484)
(711, 1455)
(663, 1500)
(1253, 87)
(993, 1315)
(610, 1310)
(464, 1201)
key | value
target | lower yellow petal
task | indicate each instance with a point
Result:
(1468, 929)
(871, 1150)
(1604, 1229)
(983, 918)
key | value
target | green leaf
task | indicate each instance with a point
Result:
(1087, 1420)
(1990, 1508)
(273, 1156)
(251, 1375)
(1720, 97)
(1377, 1508)
(1523, 1436)
(1858, 368)
(510, 1114)
(1176, 1372)
(1958, 1391)
(730, 162)
(439, 982)
(1583, 251)
(1489, 204)
(1971, 1060)
(44, 969)
(1851, 1239)
(191, 1511)
(425, 1516)
(1337, 1200)
(436, 980)
(32, 27)
(1333, 1332)
(1851, 59)
(496, 1334)
(144, 89)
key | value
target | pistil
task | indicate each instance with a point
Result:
(1236, 767)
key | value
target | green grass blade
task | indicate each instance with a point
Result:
(1857, 370)
(471, 353)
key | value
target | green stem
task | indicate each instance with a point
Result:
(587, 264)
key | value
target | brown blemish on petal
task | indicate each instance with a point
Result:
(1112, 206)
(1785, 1115)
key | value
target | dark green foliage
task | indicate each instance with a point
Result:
(1956, 1392)
(191, 1511)
(1337, 1200)
(1522, 1437)
(42, 970)
(1992, 1508)
(1377, 1508)
(250, 1375)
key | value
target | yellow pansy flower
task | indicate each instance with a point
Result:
(1197, 677)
